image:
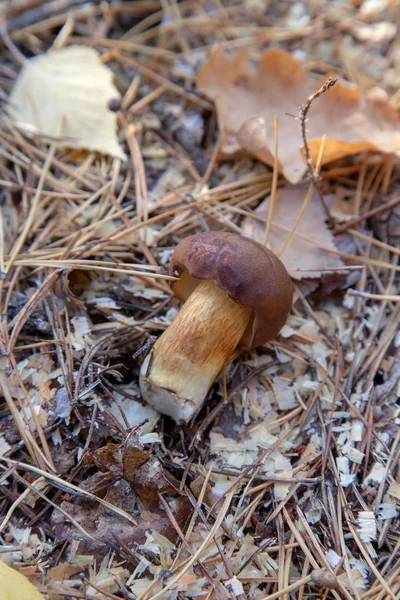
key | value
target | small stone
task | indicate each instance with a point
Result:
(324, 578)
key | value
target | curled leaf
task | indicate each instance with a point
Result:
(248, 96)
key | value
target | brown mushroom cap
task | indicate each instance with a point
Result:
(247, 271)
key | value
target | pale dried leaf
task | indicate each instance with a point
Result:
(14, 586)
(314, 250)
(249, 96)
(64, 94)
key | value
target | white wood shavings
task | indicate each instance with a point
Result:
(380, 449)
(56, 437)
(237, 404)
(245, 406)
(341, 414)
(343, 465)
(221, 485)
(348, 300)
(150, 438)
(387, 510)
(376, 475)
(359, 575)
(20, 535)
(259, 361)
(367, 525)
(284, 393)
(140, 586)
(134, 412)
(165, 257)
(287, 331)
(4, 446)
(307, 386)
(316, 440)
(234, 453)
(281, 489)
(358, 397)
(371, 550)
(140, 569)
(373, 313)
(171, 314)
(320, 352)
(355, 455)
(282, 357)
(235, 585)
(357, 428)
(154, 542)
(394, 490)
(327, 398)
(246, 549)
(268, 564)
(106, 302)
(341, 428)
(333, 558)
(314, 511)
(80, 338)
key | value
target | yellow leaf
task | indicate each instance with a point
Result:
(14, 586)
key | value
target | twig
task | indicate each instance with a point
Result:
(304, 109)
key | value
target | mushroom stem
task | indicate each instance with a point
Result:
(184, 362)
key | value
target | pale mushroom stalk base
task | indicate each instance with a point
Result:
(185, 361)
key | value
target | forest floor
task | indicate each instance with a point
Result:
(287, 482)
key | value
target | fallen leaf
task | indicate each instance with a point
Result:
(249, 96)
(14, 586)
(64, 94)
(312, 249)
(145, 472)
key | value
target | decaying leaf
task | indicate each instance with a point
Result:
(132, 478)
(312, 249)
(249, 96)
(14, 586)
(64, 94)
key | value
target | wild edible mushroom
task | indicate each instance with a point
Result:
(236, 291)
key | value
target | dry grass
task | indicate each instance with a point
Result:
(272, 482)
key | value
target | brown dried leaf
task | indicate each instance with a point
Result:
(133, 455)
(144, 471)
(249, 96)
(107, 458)
(309, 256)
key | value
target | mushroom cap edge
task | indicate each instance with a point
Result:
(251, 275)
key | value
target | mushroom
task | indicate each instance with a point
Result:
(236, 292)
